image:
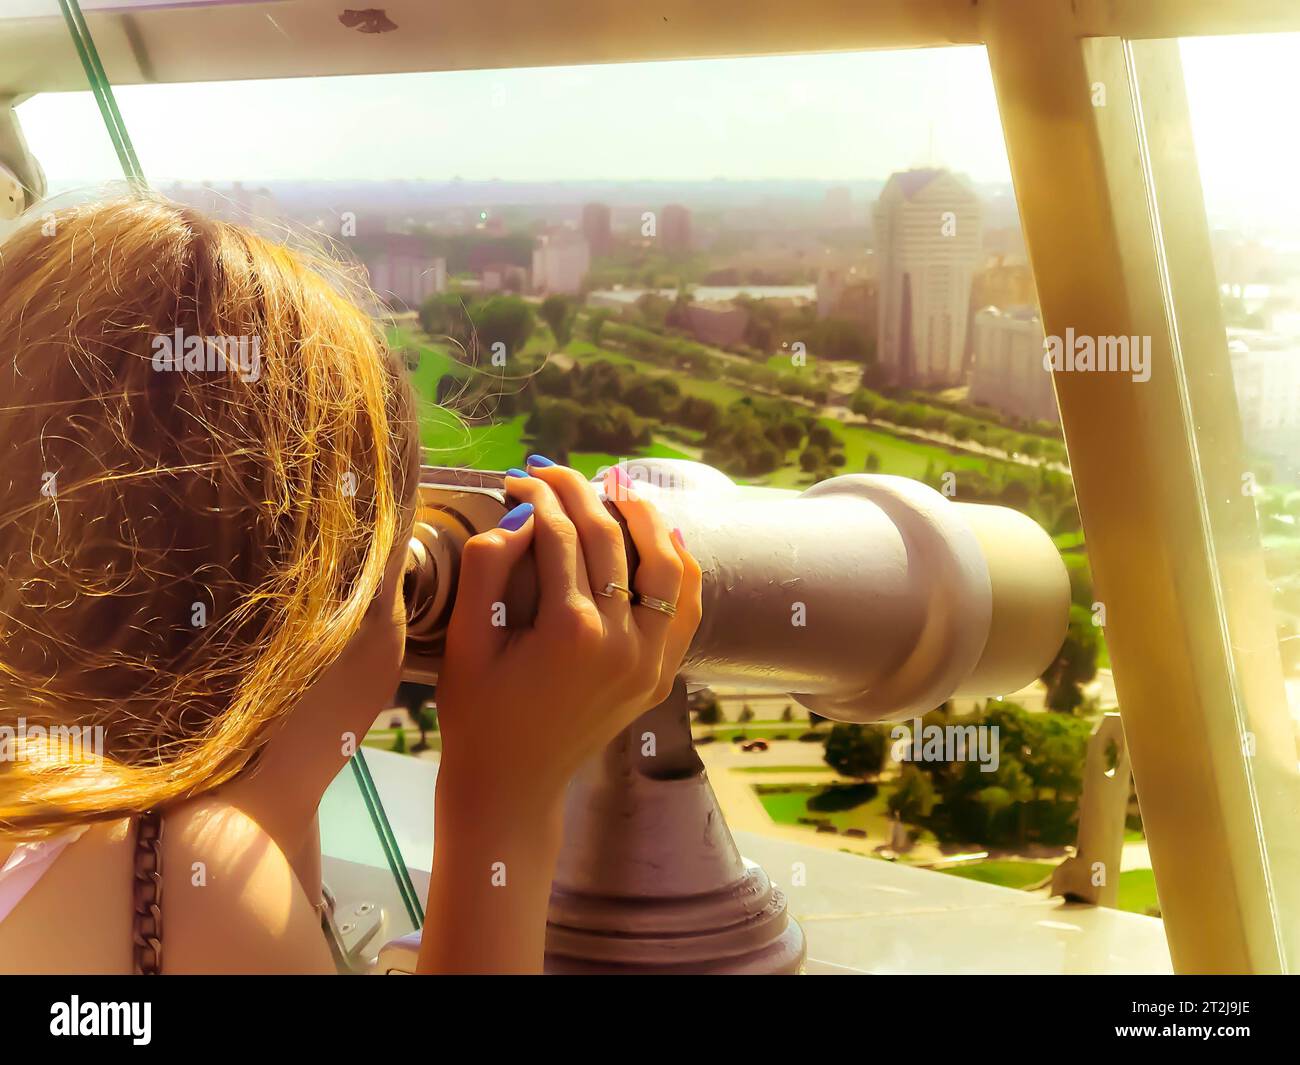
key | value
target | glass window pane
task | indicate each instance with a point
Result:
(1236, 87)
(762, 267)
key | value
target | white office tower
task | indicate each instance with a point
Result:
(1007, 372)
(928, 247)
(403, 269)
(561, 261)
(1266, 374)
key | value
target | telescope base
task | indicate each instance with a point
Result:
(649, 879)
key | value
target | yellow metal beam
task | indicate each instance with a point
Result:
(1099, 244)
(304, 38)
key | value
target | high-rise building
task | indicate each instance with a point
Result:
(928, 246)
(1007, 372)
(402, 268)
(1266, 375)
(561, 262)
(596, 228)
(675, 228)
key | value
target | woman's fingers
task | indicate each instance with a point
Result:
(475, 631)
(659, 569)
(682, 628)
(598, 532)
(561, 568)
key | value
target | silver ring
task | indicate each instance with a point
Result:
(661, 605)
(613, 590)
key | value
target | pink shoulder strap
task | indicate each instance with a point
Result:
(27, 864)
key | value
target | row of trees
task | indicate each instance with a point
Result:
(915, 415)
(753, 436)
(1045, 495)
(1031, 797)
(603, 407)
(477, 327)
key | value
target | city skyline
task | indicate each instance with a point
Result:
(834, 117)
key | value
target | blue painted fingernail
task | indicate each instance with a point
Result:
(515, 471)
(539, 460)
(515, 519)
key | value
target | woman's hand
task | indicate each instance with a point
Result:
(525, 707)
(520, 709)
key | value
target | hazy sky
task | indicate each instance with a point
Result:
(827, 116)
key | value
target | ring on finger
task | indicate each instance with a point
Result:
(613, 590)
(661, 605)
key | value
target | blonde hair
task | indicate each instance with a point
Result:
(183, 550)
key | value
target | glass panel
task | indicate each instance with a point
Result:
(757, 266)
(1236, 86)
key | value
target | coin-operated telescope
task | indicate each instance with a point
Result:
(863, 597)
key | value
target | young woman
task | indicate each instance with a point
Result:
(202, 544)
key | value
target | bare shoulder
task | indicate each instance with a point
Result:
(231, 902)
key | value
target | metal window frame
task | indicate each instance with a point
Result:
(300, 38)
(1115, 225)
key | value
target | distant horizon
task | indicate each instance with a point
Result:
(830, 118)
(251, 182)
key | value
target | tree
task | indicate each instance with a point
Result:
(446, 315)
(788, 713)
(557, 312)
(873, 462)
(707, 710)
(427, 719)
(505, 320)
(415, 697)
(746, 714)
(399, 741)
(914, 798)
(821, 436)
(596, 325)
(1075, 664)
(856, 750)
(812, 458)
(553, 426)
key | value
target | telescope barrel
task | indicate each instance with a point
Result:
(864, 597)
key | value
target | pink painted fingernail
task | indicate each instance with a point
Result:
(681, 540)
(620, 477)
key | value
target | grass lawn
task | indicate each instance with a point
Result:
(382, 739)
(1012, 874)
(834, 803)
(504, 444)
(783, 362)
(1137, 887)
(718, 391)
(754, 731)
(1068, 541)
(482, 447)
(785, 769)
(898, 456)
(1137, 891)
(500, 446)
